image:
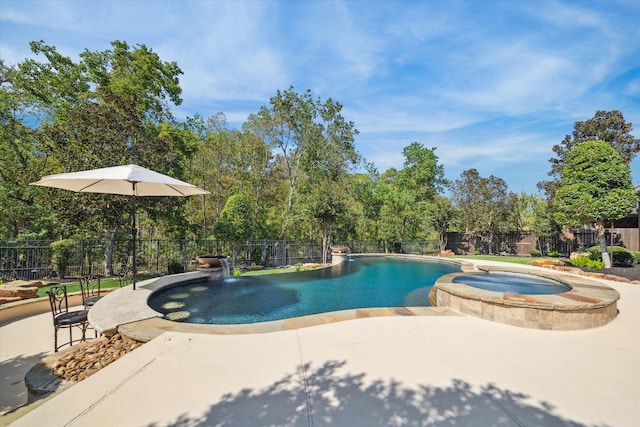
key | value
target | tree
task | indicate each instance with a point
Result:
(22, 159)
(486, 207)
(422, 173)
(595, 187)
(59, 83)
(441, 214)
(544, 225)
(365, 190)
(235, 223)
(310, 137)
(607, 126)
(110, 108)
(324, 203)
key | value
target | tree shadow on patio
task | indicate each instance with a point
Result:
(330, 396)
(13, 391)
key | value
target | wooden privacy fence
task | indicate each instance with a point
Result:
(521, 243)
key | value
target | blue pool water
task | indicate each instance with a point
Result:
(513, 283)
(360, 282)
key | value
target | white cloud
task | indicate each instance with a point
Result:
(632, 88)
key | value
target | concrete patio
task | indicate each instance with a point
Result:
(392, 371)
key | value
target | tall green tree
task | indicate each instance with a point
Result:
(405, 195)
(22, 159)
(58, 83)
(608, 126)
(486, 207)
(310, 137)
(441, 215)
(595, 188)
(112, 107)
(236, 222)
(367, 202)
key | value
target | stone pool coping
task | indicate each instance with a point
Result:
(588, 304)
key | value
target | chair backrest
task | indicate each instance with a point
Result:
(122, 274)
(90, 286)
(58, 300)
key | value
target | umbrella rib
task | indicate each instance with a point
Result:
(90, 185)
(175, 189)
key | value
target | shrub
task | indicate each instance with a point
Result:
(595, 264)
(636, 256)
(237, 272)
(62, 253)
(476, 252)
(175, 267)
(535, 252)
(256, 256)
(621, 255)
(580, 261)
(298, 266)
(554, 254)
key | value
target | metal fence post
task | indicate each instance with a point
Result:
(81, 257)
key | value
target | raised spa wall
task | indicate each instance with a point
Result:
(588, 304)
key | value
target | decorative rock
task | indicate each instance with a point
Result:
(92, 356)
(577, 255)
(10, 291)
(448, 252)
(17, 290)
(24, 283)
(547, 262)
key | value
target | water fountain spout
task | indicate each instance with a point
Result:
(216, 265)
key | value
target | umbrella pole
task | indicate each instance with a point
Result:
(134, 233)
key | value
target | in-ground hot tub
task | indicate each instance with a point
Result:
(513, 283)
(569, 302)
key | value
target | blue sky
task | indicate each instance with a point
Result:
(493, 85)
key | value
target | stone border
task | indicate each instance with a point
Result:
(588, 304)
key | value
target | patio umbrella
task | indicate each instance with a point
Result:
(131, 180)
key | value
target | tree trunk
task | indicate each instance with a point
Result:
(233, 255)
(325, 243)
(110, 238)
(603, 244)
(442, 241)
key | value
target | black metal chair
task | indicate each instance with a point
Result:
(123, 275)
(63, 318)
(90, 288)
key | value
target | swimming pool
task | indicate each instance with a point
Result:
(360, 282)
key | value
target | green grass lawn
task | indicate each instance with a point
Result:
(526, 260)
(112, 282)
(269, 271)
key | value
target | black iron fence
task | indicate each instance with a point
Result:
(33, 259)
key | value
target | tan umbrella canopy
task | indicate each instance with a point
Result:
(131, 180)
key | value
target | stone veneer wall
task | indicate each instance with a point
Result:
(530, 317)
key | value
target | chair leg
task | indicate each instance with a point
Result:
(55, 340)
